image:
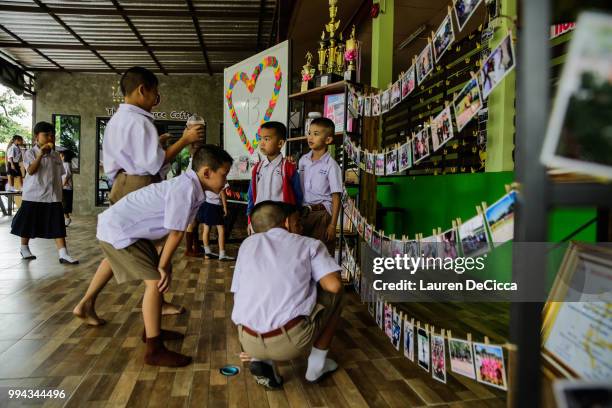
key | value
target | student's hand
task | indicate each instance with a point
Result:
(250, 230)
(46, 148)
(164, 281)
(225, 211)
(194, 134)
(330, 234)
(164, 138)
(244, 357)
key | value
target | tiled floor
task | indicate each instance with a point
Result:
(43, 346)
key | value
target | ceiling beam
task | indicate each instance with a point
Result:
(360, 14)
(102, 47)
(286, 13)
(274, 27)
(202, 70)
(158, 12)
(196, 25)
(58, 20)
(138, 35)
(25, 44)
(262, 8)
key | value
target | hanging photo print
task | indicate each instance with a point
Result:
(368, 234)
(438, 358)
(396, 332)
(397, 248)
(376, 242)
(467, 103)
(448, 246)
(385, 251)
(461, 358)
(408, 82)
(376, 105)
(380, 164)
(464, 10)
(368, 107)
(424, 64)
(500, 218)
(408, 339)
(443, 38)
(474, 240)
(360, 225)
(490, 367)
(360, 103)
(429, 246)
(388, 320)
(379, 313)
(411, 248)
(405, 156)
(423, 348)
(495, 68)
(386, 101)
(391, 162)
(441, 129)
(370, 162)
(396, 93)
(420, 146)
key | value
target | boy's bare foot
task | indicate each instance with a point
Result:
(169, 309)
(158, 355)
(165, 335)
(87, 314)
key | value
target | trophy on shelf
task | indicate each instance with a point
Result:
(330, 49)
(308, 72)
(350, 56)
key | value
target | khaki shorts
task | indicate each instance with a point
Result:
(315, 226)
(297, 340)
(125, 184)
(138, 261)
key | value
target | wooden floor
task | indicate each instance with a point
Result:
(43, 347)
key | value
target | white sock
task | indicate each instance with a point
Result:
(63, 253)
(316, 362)
(207, 250)
(221, 254)
(25, 251)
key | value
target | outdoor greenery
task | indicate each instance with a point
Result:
(68, 134)
(11, 110)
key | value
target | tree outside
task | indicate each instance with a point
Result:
(12, 111)
(68, 134)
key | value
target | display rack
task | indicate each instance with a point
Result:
(313, 99)
(539, 194)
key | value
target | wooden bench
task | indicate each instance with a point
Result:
(10, 197)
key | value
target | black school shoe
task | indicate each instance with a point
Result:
(264, 375)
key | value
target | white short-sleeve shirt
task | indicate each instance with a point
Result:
(320, 179)
(152, 212)
(131, 143)
(44, 186)
(275, 279)
(67, 175)
(213, 198)
(270, 180)
(14, 153)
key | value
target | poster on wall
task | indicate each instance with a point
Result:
(255, 92)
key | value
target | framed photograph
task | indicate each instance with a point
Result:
(408, 339)
(464, 9)
(441, 128)
(420, 146)
(423, 348)
(385, 101)
(408, 82)
(368, 106)
(424, 64)
(461, 357)
(578, 135)
(438, 358)
(467, 103)
(411, 248)
(495, 68)
(380, 164)
(376, 242)
(368, 234)
(396, 331)
(500, 219)
(582, 394)
(405, 156)
(396, 93)
(490, 367)
(474, 240)
(443, 37)
(448, 246)
(391, 162)
(370, 163)
(388, 320)
(376, 105)
(334, 109)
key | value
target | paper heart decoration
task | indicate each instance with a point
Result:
(250, 83)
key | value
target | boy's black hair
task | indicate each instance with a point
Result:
(280, 128)
(43, 127)
(211, 156)
(270, 214)
(325, 123)
(136, 76)
(68, 155)
(16, 137)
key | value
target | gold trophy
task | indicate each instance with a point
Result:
(340, 57)
(307, 72)
(322, 55)
(351, 51)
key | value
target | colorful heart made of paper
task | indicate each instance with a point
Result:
(267, 62)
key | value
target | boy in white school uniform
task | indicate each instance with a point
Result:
(321, 180)
(287, 296)
(164, 209)
(133, 158)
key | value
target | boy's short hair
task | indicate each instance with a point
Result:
(325, 123)
(43, 127)
(280, 128)
(136, 76)
(211, 156)
(271, 214)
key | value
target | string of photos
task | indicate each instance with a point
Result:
(437, 131)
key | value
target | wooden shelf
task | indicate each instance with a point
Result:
(320, 92)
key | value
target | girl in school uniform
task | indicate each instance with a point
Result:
(212, 213)
(67, 196)
(13, 156)
(41, 214)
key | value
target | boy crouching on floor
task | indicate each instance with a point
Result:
(128, 229)
(287, 295)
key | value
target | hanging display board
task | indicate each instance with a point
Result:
(255, 92)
